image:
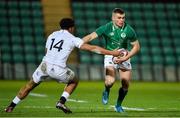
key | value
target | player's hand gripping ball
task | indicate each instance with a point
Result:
(123, 52)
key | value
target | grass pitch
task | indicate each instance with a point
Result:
(144, 99)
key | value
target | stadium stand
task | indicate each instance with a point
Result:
(157, 26)
(21, 33)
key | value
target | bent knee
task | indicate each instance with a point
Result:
(76, 80)
(109, 81)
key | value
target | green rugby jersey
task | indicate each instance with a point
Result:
(116, 37)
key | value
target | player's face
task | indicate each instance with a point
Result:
(118, 19)
(71, 30)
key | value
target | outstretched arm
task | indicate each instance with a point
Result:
(90, 37)
(99, 50)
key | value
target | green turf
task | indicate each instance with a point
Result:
(154, 99)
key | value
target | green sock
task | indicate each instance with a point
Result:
(107, 89)
(121, 96)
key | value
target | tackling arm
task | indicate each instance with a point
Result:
(90, 37)
(99, 50)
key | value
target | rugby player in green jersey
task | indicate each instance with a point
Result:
(117, 34)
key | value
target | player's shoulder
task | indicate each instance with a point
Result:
(53, 33)
(65, 33)
(106, 27)
(69, 36)
(129, 28)
(109, 24)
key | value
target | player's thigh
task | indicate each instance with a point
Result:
(40, 73)
(125, 74)
(63, 75)
(109, 66)
(70, 76)
(110, 71)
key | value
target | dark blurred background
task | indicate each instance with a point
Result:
(25, 25)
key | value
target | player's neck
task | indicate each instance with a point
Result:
(118, 27)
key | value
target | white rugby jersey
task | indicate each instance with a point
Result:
(59, 45)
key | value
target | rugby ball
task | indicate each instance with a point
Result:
(122, 53)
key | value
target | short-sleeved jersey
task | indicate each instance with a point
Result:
(59, 45)
(116, 37)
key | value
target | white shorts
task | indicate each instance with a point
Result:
(56, 72)
(124, 65)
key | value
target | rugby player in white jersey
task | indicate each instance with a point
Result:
(59, 45)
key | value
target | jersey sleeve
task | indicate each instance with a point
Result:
(132, 35)
(78, 42)
(99, 31)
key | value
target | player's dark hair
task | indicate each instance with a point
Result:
(118, 10)
(66, 23)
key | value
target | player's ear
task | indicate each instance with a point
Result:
(112, 18)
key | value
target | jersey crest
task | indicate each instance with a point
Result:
(123, 35)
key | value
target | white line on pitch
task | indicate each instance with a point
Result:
(46, 107)
(96, 108)
(37, 95)
(80, 101)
